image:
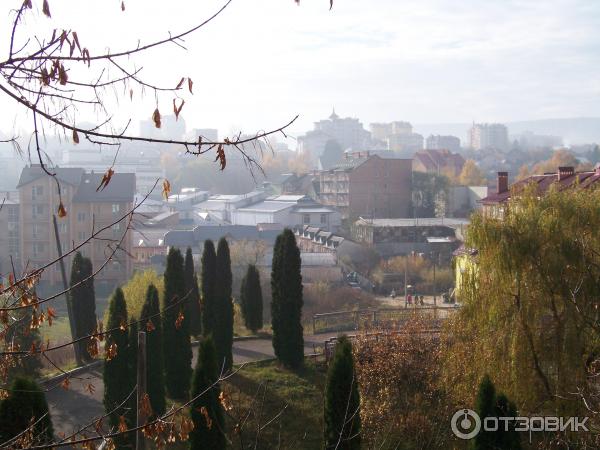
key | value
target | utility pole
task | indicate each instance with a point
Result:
(141, 389)
(405, 281)
(63, 273)
(434, 283)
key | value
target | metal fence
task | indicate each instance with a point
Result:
(364, 319)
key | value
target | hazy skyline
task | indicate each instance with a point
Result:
(262, 62)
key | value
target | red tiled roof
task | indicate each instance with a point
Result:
(581, 180)
(435, 159)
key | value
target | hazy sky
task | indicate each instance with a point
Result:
(264, 61)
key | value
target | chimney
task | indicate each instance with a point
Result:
(565, 172)
(502, 185)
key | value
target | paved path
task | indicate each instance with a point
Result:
(76, 406)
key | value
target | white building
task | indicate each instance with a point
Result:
(489, 136)
(348, 132)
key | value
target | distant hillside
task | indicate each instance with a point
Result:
(583, 130)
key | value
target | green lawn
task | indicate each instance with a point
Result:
(286, 406)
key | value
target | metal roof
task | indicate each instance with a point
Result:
(415, 222)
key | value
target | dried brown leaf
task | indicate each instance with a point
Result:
(180, 83)
(156, 118)
(65, 383)
(75, 137)
(46, 9)
(221, 156)
(28, 4)
(122, 6)
(105, 179)
(166, 190)
(76, 40)
(62, 212)
(122, 424)
(177, 109)
(190, 84)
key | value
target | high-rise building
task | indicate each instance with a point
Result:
(489, 136)
(438, 142)
(407, 143)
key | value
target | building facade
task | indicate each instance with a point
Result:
(368, 185)
(9, 234)
(438, 142)
(489, 136)
(439, 162)
(347, 132)
(86, 209)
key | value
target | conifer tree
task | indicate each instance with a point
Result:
(206, 410)
(286, 303)
(251, 299)
(116, 365)
(177, 348)
(155, 378)
(342, 401)
(223, 334)
(83, 301)
(488, 404)
(26, 402)
(192, 304)
(209, 274)
(21, 336)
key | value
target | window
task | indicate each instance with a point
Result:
(115, 208)
(81, 235)
(38, 249)
(13, 214)
(80, 217)
(305, 218)
(323, 218)
(37, 210)
(116, 227)
(62, 227)
(37, 191)
(35, 231)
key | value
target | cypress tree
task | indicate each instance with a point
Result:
(192, 304)
(489, 404)
(20, 334)
(83, 301)
(252, 300)
(177, 349)
(206, 410)
(155, 378)
(286, 303)
(342, 401)
(117, 370)
(223, 334)
(25, 403)
(209, 274)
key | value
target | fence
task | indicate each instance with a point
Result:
(361, 319)
(330, 344)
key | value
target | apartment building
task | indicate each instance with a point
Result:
(9, 233)
(371, 185)
(439, 142)
(88, 210)
(489, 136)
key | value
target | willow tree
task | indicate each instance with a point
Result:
(529, 312)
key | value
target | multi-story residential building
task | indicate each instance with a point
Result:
(381, 131)
(438, 142)
(87, 210)
(9, 233)
(439, 162)
(348, 132)
(406, 143)
(489, 136)
(495, 204)
(368, 185)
